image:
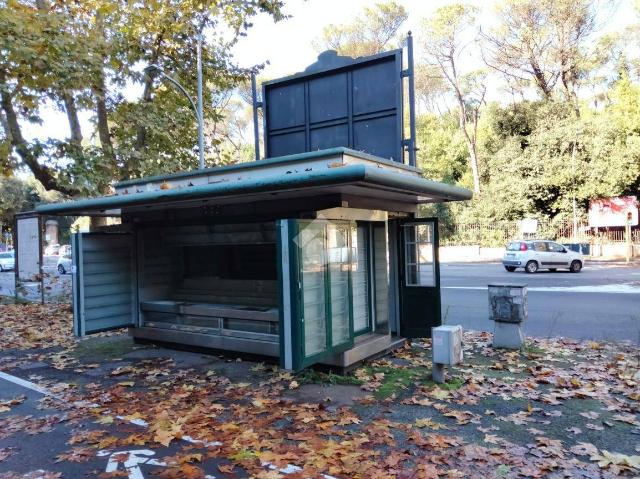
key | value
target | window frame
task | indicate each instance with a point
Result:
(405, 256)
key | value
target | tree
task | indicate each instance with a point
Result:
(77, 56)
(443, 43)
(543, 41)
(375, 31)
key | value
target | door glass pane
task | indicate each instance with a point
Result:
(313, 262)
(419, 254)
(360, 277)
(381, 277)
(338, 248)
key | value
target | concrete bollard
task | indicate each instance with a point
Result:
(508, 309)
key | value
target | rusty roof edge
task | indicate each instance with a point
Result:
(334, 176)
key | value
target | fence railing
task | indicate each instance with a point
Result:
(499, 233)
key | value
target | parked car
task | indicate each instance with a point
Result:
(64, 263)
(533, 255)
(7, 260)
(52, 250)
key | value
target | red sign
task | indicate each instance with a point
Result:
(619, 211)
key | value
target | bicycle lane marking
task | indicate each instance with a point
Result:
(121, 457)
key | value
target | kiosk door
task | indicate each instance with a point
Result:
(419, 277)
(104, 282)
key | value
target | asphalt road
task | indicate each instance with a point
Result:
(600, 303)
(44, 434)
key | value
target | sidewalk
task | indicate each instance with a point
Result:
(557, 408)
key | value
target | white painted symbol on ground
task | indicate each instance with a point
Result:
(131, 461)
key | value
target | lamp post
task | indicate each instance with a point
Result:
(155, 70)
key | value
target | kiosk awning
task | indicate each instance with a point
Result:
(353, 179)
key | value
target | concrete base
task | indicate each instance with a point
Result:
(508, 335)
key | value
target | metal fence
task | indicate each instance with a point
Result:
(499, 233)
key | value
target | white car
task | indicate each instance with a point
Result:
(64, 263)
(533, 255)
(7, 260)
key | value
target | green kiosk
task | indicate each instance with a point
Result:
(311, 255)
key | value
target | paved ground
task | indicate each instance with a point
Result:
(600, 303)
(57, 286)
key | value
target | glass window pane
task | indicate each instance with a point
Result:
(338, 248)
(381, 277)
(419, 254)
(313, 262)
(360, 277)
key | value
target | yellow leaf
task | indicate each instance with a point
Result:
(440, 393)
(126, 383)
(105, 420)
(294, 385)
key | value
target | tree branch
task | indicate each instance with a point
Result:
(72, 117)
(42, 173)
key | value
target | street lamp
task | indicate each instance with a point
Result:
(154, 70)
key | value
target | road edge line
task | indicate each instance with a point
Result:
(27, 384)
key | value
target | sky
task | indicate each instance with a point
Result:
(287, 45)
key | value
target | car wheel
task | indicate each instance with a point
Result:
(531, 267)
(510, 269)
(61, 269)
(553, 270)
(576, 266)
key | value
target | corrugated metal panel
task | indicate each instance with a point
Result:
(104, 281)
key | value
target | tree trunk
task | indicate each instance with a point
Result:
(42, 173)
(473, 159)
(103, 120)
(100, 93)
(141, 134)
(72, 116)
(471, 143)
(540, 79)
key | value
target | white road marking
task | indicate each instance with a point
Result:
(625, 288)
(131, 460)
(26, 384)
(289, 469)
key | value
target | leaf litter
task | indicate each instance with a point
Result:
(497, 416)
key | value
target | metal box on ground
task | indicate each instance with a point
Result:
(508, 308)
(508, 302)
(447, 344)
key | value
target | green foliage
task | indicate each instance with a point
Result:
(531, 168)
(442, 153)
(376, 30)
(17, 195)
(87, 56)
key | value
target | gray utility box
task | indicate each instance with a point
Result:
(446, 342)
(508, 308)
(508, 302)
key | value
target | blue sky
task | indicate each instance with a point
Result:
(287, 45)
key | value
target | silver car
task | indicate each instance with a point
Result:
(7, 260)
(533, 255)
(64, 263)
